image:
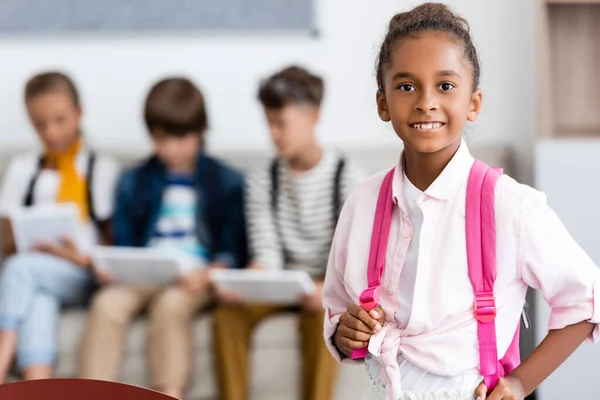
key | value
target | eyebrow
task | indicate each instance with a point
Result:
(403, 75)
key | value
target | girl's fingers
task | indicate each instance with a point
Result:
(355, 323)
(481, 391)
(353, 344)
(354, 334)
(378, 314)
(359, 313)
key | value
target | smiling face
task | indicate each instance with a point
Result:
(428, 92)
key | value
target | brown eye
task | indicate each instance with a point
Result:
(406, 87)
(446, 86)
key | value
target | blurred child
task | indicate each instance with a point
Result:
(183, 199)
(35, 285)
(292, 210)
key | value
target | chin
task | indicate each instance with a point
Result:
(428, 144)
(281, 153)
(58, 147)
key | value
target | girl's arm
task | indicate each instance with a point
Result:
(543, 361)
(551, 261)
(551, 353)
(107, 173)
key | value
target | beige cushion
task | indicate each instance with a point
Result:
(275, 368)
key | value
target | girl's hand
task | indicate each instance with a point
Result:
(356, 328)
(67, 250)
(508, 388)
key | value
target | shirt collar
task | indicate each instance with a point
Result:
(446, 184)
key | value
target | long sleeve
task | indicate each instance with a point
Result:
(265, 245)
(552, 261)
(106, 176)
(335, 297)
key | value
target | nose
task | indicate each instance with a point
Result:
(427, 102)
(50, 132)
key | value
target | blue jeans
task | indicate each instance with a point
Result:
(33, 288)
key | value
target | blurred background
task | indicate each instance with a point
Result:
(540, 61)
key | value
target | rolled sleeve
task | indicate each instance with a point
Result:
(595, 338)
(335, 297)
(555, 264)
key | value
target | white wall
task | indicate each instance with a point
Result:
(566, 170)
(114, 73)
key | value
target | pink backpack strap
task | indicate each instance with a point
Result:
(369, 298)
(481, 257)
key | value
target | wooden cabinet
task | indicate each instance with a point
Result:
(569, 68)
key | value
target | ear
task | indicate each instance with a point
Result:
(78, 111)
(382, 106)
(316, 114)
(475, 106)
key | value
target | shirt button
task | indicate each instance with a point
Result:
(392, 289)
(406, 233)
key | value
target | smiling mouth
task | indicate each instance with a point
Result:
(427, 126)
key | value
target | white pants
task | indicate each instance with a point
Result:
(376, 392)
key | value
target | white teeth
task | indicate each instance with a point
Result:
(429, 126)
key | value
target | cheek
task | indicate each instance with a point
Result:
(158, 150)
(191, 146)
(458, 109)
(400, 104)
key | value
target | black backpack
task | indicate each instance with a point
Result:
(28, 200)
(337, 203)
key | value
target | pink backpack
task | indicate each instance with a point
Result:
(481, 257)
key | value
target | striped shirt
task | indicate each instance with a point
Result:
(176, 224)
(298, 234)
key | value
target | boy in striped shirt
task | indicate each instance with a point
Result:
(292, 207)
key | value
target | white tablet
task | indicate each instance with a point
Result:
(143, 265)
(272, 287)
(45, 223)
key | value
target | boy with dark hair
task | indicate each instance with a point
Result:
(180, 198)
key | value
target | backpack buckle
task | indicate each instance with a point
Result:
(369, 298)
(485, 308)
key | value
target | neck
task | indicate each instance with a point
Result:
(187, 169)
(307, 158)
(422, 169)
(70, 151)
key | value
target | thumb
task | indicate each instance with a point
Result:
(481, 391)
(378, 314)
(67, 242)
